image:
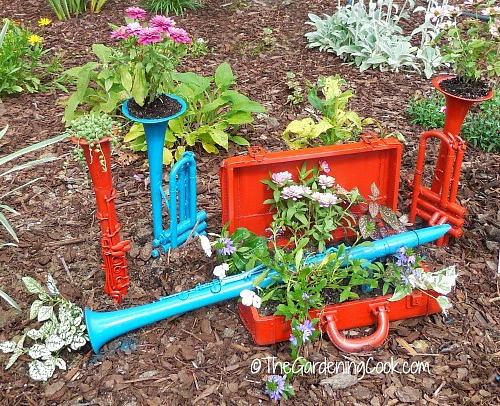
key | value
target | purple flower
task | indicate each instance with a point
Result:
(325, 181)
(162, 22)
(120, 33)
(275, 385)
(411, 260)
(281, 178)
(307, 329)
(179, 35)
(135, 12)
(149, 35)
(443, 109)
(133, 28)
(227, 248)
(324, 166)
(305, 296)
(293, 339)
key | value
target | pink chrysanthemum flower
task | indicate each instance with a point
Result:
(133, 28)
(179, 35)
(120, 33)
(280, 178)
(325, 181)
(135, 12)
(162, 22)
(149, 35)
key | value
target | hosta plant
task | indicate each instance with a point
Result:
(59, 326)
(336, 124)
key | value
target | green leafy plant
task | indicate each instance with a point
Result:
(370, 36)
(4, 207)
(95, 6)
(265, 43)
(92, 129)
(61, 327)
(428, 111)
(65, 9)
(215, 112)
(168, 7)
(379, 221)
(24, 64)
(470, 45)
(336, 125)
(294, 88)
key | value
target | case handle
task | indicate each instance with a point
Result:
(359, 344)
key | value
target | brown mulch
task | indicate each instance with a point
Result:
(204, 357)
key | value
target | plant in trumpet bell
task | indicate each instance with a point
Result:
(62, 326)
(312, 208)
(379, 221)
(92, 129)
(4, 207)
(149, 52)
(215, 113)
(336, 125)
(470, 45)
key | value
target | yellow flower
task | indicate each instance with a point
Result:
(35, 39)
(44, 21)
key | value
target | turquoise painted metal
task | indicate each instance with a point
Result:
(104, 326)
(181, 204)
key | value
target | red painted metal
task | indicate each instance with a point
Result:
(266, 330)
(352, 165)
(113, 248)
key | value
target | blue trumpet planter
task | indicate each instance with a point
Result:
(181, 203)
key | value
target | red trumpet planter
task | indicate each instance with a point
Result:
(113, 248)
(266, 330)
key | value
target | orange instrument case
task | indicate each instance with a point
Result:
(352, 165)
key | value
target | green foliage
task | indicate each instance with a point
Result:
(379, 221)
(62, 326)
(241, 250)
(24, 64)
(215, 112)
(265, 43)
(294, 88)
(481, 125)
(4, 208)
(337, 124)
(65, 9)
(168, 7)
(9, 300)
(92, 128)
(369, 35)
(95, 6)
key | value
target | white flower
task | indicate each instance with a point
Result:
(220, 270)
(205, 244)
(250, 298)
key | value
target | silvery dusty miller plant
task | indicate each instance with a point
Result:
(62, 327)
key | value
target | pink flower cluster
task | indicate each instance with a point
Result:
(325, 181)
(325, 199)
(280, 178)
(295, 192)
(160, 27)
(324, 166)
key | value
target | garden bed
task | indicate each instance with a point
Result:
(204, 357)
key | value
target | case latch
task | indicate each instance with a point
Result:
(256, 153)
